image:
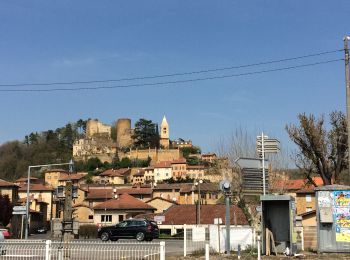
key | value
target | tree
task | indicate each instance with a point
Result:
(320, 152)
(145, 134)
(5, 210)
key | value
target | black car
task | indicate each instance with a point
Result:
(141, 229)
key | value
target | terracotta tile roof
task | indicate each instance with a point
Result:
(100, 193)
(310, 189)
(136, 190)
(116, 172)
(57, 170)
(294, 185)
(4, 183)
(68, 177)
(160, 198)
(35, 187)
(205, 187)
(124, 201)
(149, 168)
(179, 161)
(170, 186)
(140, 174)
(24, 179)
(186, 214)
(163, 164)
(307, 213)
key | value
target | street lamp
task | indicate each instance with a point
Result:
(198, 183)
(70, 163)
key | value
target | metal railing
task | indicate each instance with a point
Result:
(96, 250)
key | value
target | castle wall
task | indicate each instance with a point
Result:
(169, 155)
(95, 127)
(155, 155)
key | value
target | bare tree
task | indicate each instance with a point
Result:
(320, 151)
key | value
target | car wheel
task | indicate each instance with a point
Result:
(140, 236)
(149, 239)
(104, 236)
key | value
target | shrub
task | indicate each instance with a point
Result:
(88, 231)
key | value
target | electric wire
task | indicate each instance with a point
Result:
(172, 74)
(164, 83)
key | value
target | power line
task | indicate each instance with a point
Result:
(171, 74)
(171, 82)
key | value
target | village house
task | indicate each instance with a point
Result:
(169, 191)
(39, 193)
(10, 189)
(162, 171)
(179, 168)
(138, 178)
(138, 192)
(77, 179)
(161, 204)
(195, 171)
(149, 175)
(209, 157)
(53, 176)
(118, 209)
(98, 195)
(115, 176)
(209, 193)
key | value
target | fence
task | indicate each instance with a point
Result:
(196, 238)
(53, 250)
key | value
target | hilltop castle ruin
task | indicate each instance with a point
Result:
(98, 142)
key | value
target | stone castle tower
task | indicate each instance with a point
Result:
(164, 134)
(124, 133)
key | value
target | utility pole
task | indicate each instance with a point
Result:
(347, 82)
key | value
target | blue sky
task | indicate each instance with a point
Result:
(59, 41)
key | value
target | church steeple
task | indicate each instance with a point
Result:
(164, 133)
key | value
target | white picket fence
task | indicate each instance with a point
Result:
(94, 250)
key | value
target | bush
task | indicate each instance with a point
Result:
(88, 231)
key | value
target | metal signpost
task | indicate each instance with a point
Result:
(265, 145)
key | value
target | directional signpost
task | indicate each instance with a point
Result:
(265, 145)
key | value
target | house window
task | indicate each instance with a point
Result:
(91, 216)
(308, 198)
(106, 218)
(121, 218)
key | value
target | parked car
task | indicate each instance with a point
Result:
(41, 230)
(5, 233)
(141, 229)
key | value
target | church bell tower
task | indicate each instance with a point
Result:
(164, 134)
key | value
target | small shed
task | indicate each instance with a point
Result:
(278, 216)
(333, 218)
